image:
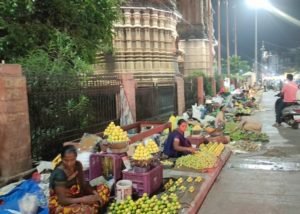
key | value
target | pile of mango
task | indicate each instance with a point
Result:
(182, 185)
(141, 153)
(115, 134)
(152, 147)
(214, 148)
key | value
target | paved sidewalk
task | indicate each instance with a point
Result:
(267, 182)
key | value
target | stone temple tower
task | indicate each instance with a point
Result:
(145, 39)
(194, 30)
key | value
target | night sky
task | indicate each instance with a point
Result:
(278, 34)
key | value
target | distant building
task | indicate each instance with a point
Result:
(287, 59)
(278, 62)
(193, 33)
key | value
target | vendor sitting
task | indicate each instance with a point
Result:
(247, 123)
(69, 193)
(251, 103)
(220, 118)
(176, 144)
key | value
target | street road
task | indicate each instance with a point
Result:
(264, 182)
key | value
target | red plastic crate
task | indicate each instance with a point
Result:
(96, 170)
(147, 182)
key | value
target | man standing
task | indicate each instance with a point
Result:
(288, 91)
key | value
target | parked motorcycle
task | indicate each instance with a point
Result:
(290, 114)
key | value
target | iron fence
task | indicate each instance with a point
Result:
(155, 102)
(62, 108)
(190, 92)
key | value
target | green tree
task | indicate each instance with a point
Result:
(27, 25)
(206, 79)
(56, 41)
(237, 65)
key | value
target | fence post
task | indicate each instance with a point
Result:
(200, 89)
(180, 95)
(15, 151)
(129, 85)
(213, 86)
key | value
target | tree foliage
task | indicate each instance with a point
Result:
(207, 83)
(237, 65)
(56, 41)
(27, 25)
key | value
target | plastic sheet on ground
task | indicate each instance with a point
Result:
(6, 189)
(10, 201)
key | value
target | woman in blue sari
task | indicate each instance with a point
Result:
(176, 144)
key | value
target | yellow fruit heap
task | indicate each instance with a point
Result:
(109, 129)
(115, 134)
(213, 148)
(141, 153)
(152, 147)
(197, 128)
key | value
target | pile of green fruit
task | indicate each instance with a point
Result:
(166, 204)
(198, 161)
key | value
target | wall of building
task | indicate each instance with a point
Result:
(145, 42)
(194, 36)
(196, 55)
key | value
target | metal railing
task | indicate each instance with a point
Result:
(62, 108)
(156, 102)
(190, 92)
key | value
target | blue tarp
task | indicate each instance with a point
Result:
(10, 200)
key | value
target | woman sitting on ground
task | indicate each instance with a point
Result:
(176, 144)
(69, 193)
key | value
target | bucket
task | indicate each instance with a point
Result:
(123, 189)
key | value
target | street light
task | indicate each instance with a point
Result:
(257, 4)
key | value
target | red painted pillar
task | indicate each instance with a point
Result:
(200, 88)
(15, 146)
(129, 85)
(180, 95)
(221, 82)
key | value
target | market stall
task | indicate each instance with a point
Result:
(141, 179)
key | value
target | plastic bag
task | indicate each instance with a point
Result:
(84, 158)
(88, 142)
(196, 112)
(28, 204)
